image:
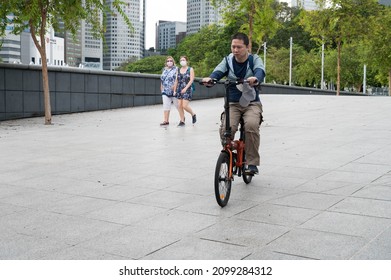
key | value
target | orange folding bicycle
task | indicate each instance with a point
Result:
(232, 158)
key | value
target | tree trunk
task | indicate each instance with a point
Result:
(250, 28)
(46, 92)
(41, 46)
(339, 68)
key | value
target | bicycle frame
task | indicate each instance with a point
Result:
(230, 144)
(231, 160)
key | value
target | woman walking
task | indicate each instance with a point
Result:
(184, 91)
(167, 88)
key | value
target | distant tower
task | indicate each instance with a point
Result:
(10, 51)
(122, 44)
(72, 48)
(92, 48)
(167, 34)
(305, 4)
(200, 13)
(385, 2)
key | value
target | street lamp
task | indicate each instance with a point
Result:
(322, 77)
(290, 61)
(364, 87)
(264, 60)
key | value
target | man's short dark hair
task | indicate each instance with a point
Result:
(241, 36)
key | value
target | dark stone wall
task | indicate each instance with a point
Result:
(80, 90)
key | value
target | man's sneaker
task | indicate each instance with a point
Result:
(181, 124)
(251, 170)
(194, 118)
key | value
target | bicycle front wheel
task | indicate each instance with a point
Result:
(222, 180)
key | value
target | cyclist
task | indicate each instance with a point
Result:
(243, 99)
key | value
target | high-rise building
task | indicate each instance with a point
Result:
(308, 5)
(21, 49)
(305, 4)
(72, 47)
(11, 44)
(122, 44)
(10, 49)
(199, 14)
(143, 21)
(168, 33)
(92, 48)
(385, 2)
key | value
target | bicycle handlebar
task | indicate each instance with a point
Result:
(212, 82)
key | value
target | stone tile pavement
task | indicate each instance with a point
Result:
(115, 185)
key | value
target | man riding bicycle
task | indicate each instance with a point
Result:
(243, 99)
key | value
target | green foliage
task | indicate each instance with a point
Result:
(353, 66)
(380, 39)
(361, 27)
(277, 69)
(290, 26)
(150, 64)
(205, 49)
(257, 18)
(340, 22)
(306, 70)
(309, 29)
(352, 76)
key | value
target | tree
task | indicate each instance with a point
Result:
(205, 49)
(353, 64)
(257, 18)
(278, 65)
(289, 18)
(151, 64)
(380, 45)
(339, 22)
(124, 65)
(307, 71)
(38, 15)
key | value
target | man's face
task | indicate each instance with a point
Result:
(239, 49)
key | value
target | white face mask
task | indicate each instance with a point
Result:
(170, 63)
(183, 62)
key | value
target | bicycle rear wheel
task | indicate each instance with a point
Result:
(246, 177)
(222, 180)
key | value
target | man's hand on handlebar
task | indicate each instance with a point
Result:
(209, 82)
(252, 81)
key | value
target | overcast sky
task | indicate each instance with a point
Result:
(170, 10)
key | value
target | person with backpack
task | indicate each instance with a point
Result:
(184, 90)
(244, 98)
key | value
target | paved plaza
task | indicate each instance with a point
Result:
(115, 185)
